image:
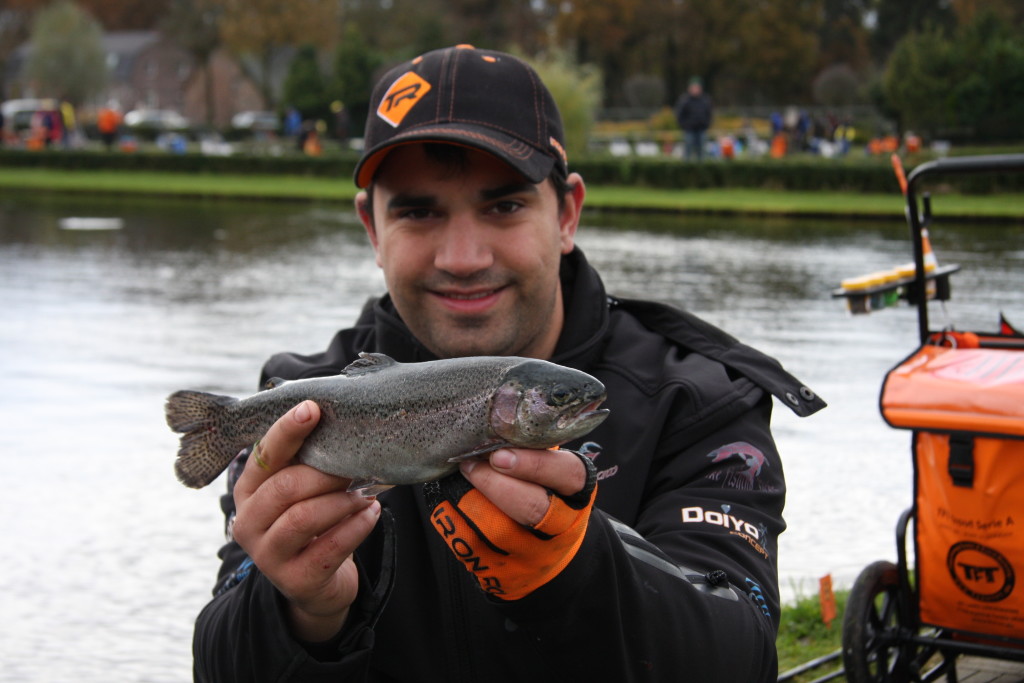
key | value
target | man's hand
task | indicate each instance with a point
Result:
(521, 521)
(300, 527)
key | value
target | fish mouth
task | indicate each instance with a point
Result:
(587, 413)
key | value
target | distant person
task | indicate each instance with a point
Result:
(67, 116)
(311, 144)
(306, 129)
(292, 127)
(693, 112)
(108, 121)
(341, 121)
(46, 127)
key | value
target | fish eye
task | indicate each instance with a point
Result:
(561, 394)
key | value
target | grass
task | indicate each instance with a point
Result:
(804, 636)
(177, 184)
(302, 188)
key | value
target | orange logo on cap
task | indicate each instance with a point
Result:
(561, 150)
(401, 97)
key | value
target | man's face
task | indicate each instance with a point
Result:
(471, 252)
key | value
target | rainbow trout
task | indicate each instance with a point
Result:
(384, 423)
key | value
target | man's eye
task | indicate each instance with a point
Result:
(508, 206)
(417, 214)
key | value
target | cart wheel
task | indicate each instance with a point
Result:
(872, 652)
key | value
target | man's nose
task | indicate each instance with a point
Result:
(465, 248)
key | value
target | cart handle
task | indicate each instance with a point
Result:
(991, 163)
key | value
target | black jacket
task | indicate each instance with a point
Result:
(676, 578)
(693, 113)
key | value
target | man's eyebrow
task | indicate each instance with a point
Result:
(411, 201)
(510, 189)
(414, 201)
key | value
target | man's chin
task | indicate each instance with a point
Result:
(469, 342)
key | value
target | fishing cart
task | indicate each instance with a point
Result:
(961, 393)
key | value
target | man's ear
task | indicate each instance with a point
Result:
(365, 212)
(569, 220)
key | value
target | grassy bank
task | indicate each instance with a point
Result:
(804, 636)
(817, 204)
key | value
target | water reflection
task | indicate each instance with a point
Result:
(104, 549)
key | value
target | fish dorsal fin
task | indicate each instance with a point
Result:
(368, 362)
(274, 383)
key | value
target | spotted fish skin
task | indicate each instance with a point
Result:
(385, 423)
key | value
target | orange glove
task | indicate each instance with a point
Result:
(508, 559)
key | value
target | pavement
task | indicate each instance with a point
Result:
(982, 670)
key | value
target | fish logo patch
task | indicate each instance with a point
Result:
(745, 466)
(401, 97)
(593, 450)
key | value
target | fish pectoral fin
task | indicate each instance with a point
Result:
(368, 487)
(477, 452)
(368, 362)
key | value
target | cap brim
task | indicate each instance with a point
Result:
(534, 164)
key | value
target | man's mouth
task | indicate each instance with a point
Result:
(469, 297)
(477, 301)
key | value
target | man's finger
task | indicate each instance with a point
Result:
(301, 524)
(277, 447)
(557, 470)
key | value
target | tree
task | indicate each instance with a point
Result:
(779, 50)
(263, 28)
(986, 96)
(576, 90)
(837, 86)
(195, 26)
(608, 34)
(967, 83)
(126, 15)
(67, 59)
(744, 50)
(355, 72)
(304, 86)
(843, 36)
(495, 24)
(894, 19)
(15, 23)
(1010, 12)
(706, 44)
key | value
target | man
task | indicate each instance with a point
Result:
(693, 113)
(509, 570)
(107, 122)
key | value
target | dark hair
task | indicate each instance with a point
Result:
(456, 158)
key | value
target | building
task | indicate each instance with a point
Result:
(150, 71)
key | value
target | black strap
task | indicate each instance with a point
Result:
(694, 334)
(961, 459)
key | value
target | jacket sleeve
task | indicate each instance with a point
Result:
(691, 585)
(243, 635)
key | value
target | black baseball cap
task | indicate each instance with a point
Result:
(482, 99)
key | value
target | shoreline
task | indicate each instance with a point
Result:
(819, 205)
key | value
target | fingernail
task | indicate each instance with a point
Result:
(503, 460)
(374, 507)
(468, 466)
(302, 413)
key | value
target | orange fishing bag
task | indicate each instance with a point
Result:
(966, 408)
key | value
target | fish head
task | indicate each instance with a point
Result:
(541, 404)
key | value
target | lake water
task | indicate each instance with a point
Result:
(107, 558)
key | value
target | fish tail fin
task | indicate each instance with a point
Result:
(204, 451)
